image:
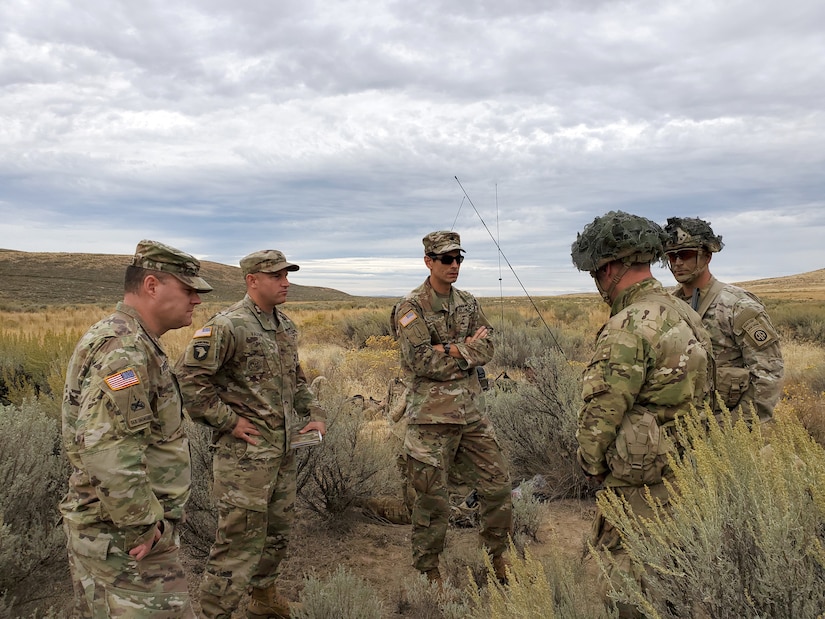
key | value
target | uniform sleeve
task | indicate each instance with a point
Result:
(113, 425)
(417, 350)
(479, 352)
(758, 341)
(610, 386)
(204, 356)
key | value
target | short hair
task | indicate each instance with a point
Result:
(135, 277)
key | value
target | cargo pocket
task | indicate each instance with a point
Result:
(158, 605)
(244, 473)
(732, 384)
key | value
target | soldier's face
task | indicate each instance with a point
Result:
(444, 273)
(685, 264)
(272, 288)
(175, 303)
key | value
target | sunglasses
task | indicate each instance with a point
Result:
(684, 255)
(445, 259)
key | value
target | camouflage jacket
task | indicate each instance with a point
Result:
(442, 389)
(122, 429)
(749, 366)
(244, 362)
(651, 355)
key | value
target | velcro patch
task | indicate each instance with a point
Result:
(203, 332)
(200, 350)
(408, 318)
(122, 380)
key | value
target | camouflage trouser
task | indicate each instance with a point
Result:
(605, 537)
(472, 453)
(254, 488)
(109, 583)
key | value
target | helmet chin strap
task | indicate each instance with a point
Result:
(701, 267)
(617, 277)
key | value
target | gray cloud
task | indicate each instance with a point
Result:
(334, 131)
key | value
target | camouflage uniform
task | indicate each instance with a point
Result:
(124, 437)
(244, 362)
(749, 365)
(446, 426)
(652, 362)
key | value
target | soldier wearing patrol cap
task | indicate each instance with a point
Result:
(444, 337)
(652, 364)
(749, 366)
(241, 377)
(123, 435)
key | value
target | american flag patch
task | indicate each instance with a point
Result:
(203, 332)
(121, 380)
(408, 318)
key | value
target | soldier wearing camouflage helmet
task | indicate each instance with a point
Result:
(652, 364)
(749, 366)
(124, 437)
(240, 376)
(444, 337)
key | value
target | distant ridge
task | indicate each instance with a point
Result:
(35, 279)
(805, 286)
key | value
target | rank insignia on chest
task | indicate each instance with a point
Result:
(203, 332)
(408, 318)
(123, 379)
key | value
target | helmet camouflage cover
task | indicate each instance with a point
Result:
(691, 233)
(618, 236)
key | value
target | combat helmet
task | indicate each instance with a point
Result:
(618, 236)
(691, 233)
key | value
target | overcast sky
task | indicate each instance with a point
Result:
(335, 131)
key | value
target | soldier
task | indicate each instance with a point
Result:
(240, 375)
(123, 434)
(444, 337)
(749, 365)
(651, 365)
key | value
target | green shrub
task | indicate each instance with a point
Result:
(33, 480)
(421, 599)
(342, 596)
(528, 514)
(354, 462)
(537, 425)
(538, 591)
(800, 320)
(745, 536)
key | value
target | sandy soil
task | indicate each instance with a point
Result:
(379, 553)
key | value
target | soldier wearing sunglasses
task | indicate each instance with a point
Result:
(749, 366)
(444, 338)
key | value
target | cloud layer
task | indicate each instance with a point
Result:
(335, 131)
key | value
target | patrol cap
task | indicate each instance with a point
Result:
(441, 242)
(266, 261)
(159, 257)
(691, 233)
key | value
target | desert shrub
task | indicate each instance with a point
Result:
(34, 364)
(801, 321)
(743, 538)
(33, 480)
(800, 401)
(359, 325)
(198, 530)
(460, 563)
(528, 514)
(538, 591)
(422, 600)
(342, 596)
(354, 462)
(518, 343)
(537, 425)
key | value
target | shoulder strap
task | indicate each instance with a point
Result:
(710, 297)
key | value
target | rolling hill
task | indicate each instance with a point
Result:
(36, 279)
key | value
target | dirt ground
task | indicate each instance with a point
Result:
(379, 553)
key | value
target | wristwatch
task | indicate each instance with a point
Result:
(447, 349)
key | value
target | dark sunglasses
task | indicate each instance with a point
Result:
(445, 259)
(684, 255)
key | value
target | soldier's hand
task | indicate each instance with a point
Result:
(245, 430)
(138, 552)
(480, 334)
(314, 425)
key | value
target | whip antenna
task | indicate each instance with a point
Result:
(501, 253)
(500, 285)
